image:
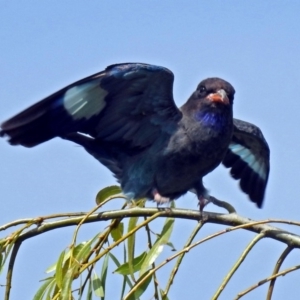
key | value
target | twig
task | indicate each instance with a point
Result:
(155, 281)
(281, 259)
(124, 237)
(39, 220)
(261, 282)
(180, 258)
(237, 264)
(10, 269)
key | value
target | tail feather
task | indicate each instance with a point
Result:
(30, 127)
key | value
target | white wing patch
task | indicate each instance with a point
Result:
(85, 100)
(255, 163)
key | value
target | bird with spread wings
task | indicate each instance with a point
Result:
(126, 117)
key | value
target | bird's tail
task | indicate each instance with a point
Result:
(30, 127)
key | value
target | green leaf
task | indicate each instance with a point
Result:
(59, 269)
(131, 242)
(110, 191)
(104, 272)
(67, 255)
(136, 264)
(8, 248)
(85, 248)
(97, 286)
(117, 232)
(42, 290)
(159, 245)
(142, 288)
(51, 290)
(115, 260)
(66, 292)
(89, 291)
(126, 279)
(77, 249)
(163, 296)
(171, 246)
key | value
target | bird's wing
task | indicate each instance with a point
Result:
(248, 156)
(129, 103)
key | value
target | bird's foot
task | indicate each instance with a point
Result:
(223, 204)
(159, 199)
(203, 201)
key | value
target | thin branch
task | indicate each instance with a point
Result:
(39, 220)
(187, 249)
(10, 269)
(155, 281)
(256, 239)
(102, 239)
(123, 238)
(261, 282)
(180, 258)
(184, 250)
(216, 218)
(281, 259)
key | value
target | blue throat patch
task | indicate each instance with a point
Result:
(211, 119)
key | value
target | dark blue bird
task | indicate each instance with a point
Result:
(125, 116)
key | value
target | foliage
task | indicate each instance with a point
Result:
(76, 275)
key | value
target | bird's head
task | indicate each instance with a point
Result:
(213, 95)
(212, 92)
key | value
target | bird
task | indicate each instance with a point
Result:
(126, 118)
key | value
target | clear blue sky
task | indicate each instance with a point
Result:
(255, 45)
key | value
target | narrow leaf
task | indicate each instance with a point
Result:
(104, 273)
(115, 260)
(89, 291)
(67, 255)
(131, 242)
(142, 288)
(159, 244)
(107, 192)
(97, 286)
(1, 258)
(126, 279)
(136, 264)
(66, 293)
(51, 290)
(117, 232)
(59, 269)
(163, 296)
(42, 290)
(86, 249)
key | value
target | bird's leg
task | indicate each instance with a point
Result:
(160, 199)
(203, 201)
(202, 194)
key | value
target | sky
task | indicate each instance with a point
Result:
(255, 45)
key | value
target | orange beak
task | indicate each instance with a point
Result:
(219, 96)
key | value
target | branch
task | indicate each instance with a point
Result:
(231, 219)
(238, 222)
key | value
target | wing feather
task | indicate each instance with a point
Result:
(248, 157)
(129, 104)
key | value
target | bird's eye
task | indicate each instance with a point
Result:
(202, 89)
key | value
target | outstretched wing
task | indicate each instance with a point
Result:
(248, 156)
(128, 103)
